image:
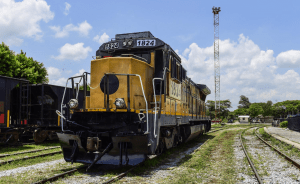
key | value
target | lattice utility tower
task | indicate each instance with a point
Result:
(216, 11)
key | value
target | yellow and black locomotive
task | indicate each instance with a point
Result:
(141, 102)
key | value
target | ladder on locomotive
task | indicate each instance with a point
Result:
(24, 106)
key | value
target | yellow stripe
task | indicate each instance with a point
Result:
(58, 120)
(7, 118)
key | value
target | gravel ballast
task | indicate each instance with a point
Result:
(241, 166)
(271, 166)
(30, 168)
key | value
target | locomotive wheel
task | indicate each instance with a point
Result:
(39, 135)
(12, 136)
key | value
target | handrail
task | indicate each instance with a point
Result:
(155, 104)
(161, 79)
(142, 91)
(61, 107)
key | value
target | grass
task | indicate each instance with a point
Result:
(287, 149)
(258, 160)
(23, 163)
(10, 150)
(39, 174)
(13, 157)
(215, 157)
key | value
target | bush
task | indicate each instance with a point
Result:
(283, 124)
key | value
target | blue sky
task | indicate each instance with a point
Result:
(259, 40)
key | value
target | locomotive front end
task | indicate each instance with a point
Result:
(113, 127)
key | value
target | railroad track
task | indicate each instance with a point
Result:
(26, 158)
(115, 178)
(249, 160)
(279, 152)
(296, 164)
(32, 151)
(71, 171)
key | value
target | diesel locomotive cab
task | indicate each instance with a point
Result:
(135, 106)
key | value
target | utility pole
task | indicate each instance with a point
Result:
(216, 11)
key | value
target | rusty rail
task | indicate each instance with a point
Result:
(32, 151)
(62, 175)
(282, 154)
(249, 160)
(26, 158)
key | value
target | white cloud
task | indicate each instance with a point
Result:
(245, 70)
(101, 39)
(74, 52)
(21, 19)
(80, 72)
(67, 9)
(53, 73)
(289, 59)
(82, 28)
(60, 82)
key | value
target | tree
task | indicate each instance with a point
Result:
(280, 109)
(87, 87)
(244, 102)
(20, 66)
(9, 63)
(267, 108)
(241, 111)
(224, 106)
(255, 109)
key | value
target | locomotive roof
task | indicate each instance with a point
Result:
(150, 43)
(204, 89)
(116, 45)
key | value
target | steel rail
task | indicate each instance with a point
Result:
(26, 158)
(62, 175)
(279, 152)
(28, 143)
(32, 151)
(126, 172)
(249, 160)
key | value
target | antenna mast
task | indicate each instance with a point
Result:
(216, 11)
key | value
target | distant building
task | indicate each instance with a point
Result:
(244, 119)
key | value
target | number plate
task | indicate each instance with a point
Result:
(145, 43)
(114, 45)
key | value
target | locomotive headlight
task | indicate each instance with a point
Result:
(130, 42)
(73, 103)
(124, 43)
(120, 103)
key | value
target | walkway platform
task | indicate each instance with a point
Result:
(287, 136)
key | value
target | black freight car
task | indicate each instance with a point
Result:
(10, 123)
(28, 110)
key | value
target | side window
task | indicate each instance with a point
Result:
(175, 69)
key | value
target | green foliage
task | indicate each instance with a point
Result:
(21, 66)
(283, 124)
(267, 108)
(255, 109)
(87, 87)
(224, 106)
(288, 106)
(9, 64)
(244, 102)
(241, 111)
